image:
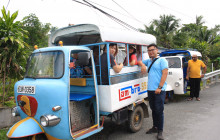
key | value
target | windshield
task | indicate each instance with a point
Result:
(174, 62)
(45, 65)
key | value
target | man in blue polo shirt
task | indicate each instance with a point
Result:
(157, 75)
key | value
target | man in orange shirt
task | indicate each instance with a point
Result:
(194, 76)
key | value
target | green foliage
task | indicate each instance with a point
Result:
(10, 103)
(38, 32)
(180, 39)
(53, 29)
(202, 47)
(164, 29)
(12, 49)
(214, 55)
(3, 133)
(194, 36)
(12, 46)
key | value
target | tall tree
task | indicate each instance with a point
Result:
(38, 32)
(164, 30)
(12, 48)
(53, 29)
(187, 32)
(199, 21)
(199, 37)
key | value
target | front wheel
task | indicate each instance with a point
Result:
(24, 138)
(39, 137)
(136, 119)
(34, 137)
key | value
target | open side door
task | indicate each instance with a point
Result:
(84, 104)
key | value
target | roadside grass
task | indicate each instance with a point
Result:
(3, 133)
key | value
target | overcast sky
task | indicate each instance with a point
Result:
(134, 12)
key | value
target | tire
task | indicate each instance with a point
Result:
(39, 137)
(166, 101)
(35, 137)
(167, 98)
(24, 138)
(136, 119)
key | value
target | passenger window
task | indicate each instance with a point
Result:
(78, 61)
(139, 53)
(121, 56)
(132, 55)
(145, 53)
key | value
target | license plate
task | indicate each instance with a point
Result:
(26, 89)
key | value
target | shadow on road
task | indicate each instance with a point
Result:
(109, 129)
(179, 98)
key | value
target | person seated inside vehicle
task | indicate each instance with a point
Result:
(88, 68)
(73, 58)
(78, 61)
(113, 50)
(132, 56)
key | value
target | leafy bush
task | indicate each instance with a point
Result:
(3, 133)
(10, 103)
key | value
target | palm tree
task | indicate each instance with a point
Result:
(163, 29)
(199, 21)
(12, 48)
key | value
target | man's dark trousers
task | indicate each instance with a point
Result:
(156, 102)
(194, 87)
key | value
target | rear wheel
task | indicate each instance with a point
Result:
(166, 98)
(136, 119)
(169, 96)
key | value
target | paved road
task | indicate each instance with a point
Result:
(184, 120)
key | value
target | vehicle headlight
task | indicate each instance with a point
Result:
(177, 84)
(15, 112)
(49, 120)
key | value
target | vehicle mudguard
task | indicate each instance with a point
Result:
(26, 127)
(169, 88)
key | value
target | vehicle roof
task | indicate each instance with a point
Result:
(90, 33)
(177, 52)
(173, 56)
(195, 52)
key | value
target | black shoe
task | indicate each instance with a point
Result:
(152, 130)
(160, 135)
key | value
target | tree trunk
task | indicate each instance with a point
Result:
(3, 89)
(9, 85)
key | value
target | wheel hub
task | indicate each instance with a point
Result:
(136, 118)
